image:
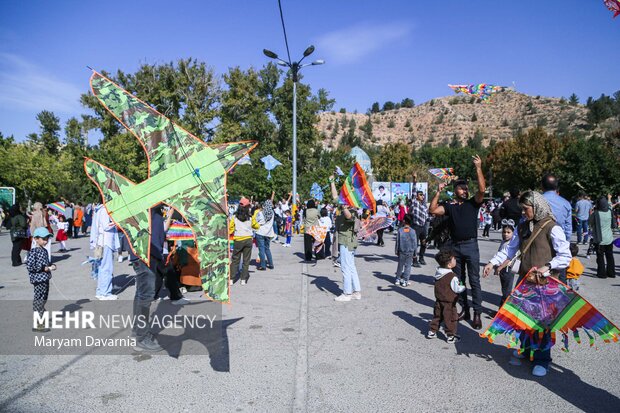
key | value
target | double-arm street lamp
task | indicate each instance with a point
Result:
(295, 67)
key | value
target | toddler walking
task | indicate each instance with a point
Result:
(406, 245)
(575, 268)
(40, 273)
(447, 290)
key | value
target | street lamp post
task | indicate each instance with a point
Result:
(295, 67)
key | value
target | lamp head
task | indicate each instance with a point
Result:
(270, 54)
(318, 62)
(308, 51)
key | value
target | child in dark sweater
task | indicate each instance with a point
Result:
(40, 273)
(406, 244)
(447, 290)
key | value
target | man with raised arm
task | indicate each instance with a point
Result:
(463, 224)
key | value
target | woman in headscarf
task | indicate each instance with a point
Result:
(19, 227)
(602, 225)
(38, 219)
(264, 217)
(311, 218)
(542, 245)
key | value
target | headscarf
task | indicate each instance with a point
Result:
(37, 220)
(602, 204)
(268, 210)
(541, 207)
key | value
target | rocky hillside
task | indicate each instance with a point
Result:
(440, 120)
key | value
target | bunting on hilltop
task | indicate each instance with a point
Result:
(356, 191)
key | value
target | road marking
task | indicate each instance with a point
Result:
(301, 369)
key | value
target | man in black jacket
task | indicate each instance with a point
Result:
(511, 209)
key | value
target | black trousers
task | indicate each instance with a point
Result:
(380, 236)
(485, 231)
(420, 232)
(242, 249)
(167, 274)
(17, 248)
(506, 279)
(605, 255)
(145, 293)
(308, 241)
(70, 229)
(468, 257)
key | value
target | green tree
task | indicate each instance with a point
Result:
(389, 105)
(375, 108)
(522, 161)
(393, 163)
(50, 128)
(407, 103)
(573, 100)
(366, 129)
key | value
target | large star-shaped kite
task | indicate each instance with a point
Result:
(184, 172)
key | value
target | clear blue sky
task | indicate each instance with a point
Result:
(375, 51)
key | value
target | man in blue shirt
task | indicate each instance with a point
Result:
(561, 208)
(582, 210)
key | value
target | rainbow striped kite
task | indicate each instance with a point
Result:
(179, 231)
(356, 192)
(58, 207)
(443, 173)
(533, 310)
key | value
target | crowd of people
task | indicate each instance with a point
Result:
(535, 226)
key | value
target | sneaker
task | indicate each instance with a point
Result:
(108, 297)
(148, 343)
(343, 297)
(357, 295)
(404, 283)
(180, 301)
(261, 269)
(417, 264)
(243, 282)
(431, 334)
(336, 264)
(271, 267)
(514, 362)
(453, 339)
(539, 371)
(422, 262)
(397, 281)
(120, 258)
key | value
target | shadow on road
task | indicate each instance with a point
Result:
(561, 381)
(324, 283)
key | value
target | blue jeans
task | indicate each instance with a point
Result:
(264, 249)
(145, 293)
(582, 230)
(468, 256)
(104, 275)
(350, 279)
(404, 260)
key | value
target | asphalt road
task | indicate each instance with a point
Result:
(289, 347)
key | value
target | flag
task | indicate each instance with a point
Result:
(179, 231)
(356, 192)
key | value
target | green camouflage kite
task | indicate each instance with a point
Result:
(184, 172)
